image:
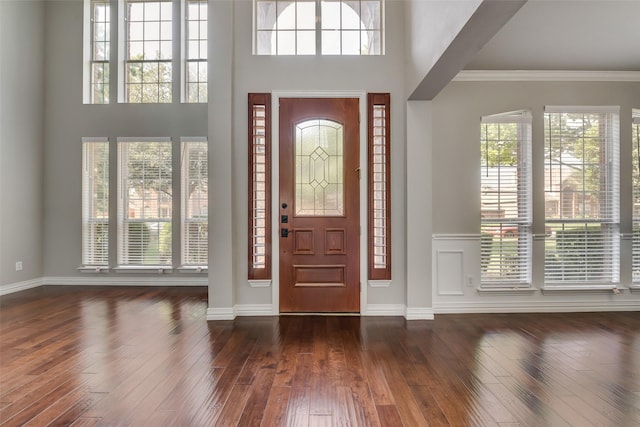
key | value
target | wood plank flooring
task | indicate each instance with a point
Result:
(98, 356)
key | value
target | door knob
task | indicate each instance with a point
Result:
(284, 232)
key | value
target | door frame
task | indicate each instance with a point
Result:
(275, 191)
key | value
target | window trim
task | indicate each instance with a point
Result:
(88, 51)
(317, 31)
(611, 219)
(123, 53)
(635, 214)
(378, 100)
(184, 37)
(87, 203)
(121, 264)
(524, 221)
(259, 273)
(184, 218)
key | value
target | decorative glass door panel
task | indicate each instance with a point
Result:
(319, 168)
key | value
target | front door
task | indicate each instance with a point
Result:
(319, 205)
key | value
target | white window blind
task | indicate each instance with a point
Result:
(95, 202)
(505, 195)
(582, 195)
(147, 50)
(144, 201)
(195, 50)
(195, 201)
(635, 137)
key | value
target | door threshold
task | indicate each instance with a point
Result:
(320, 314)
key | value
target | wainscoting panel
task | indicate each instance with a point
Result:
(449, 272)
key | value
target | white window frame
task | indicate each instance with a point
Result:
(201, 62)
(188, 218)
(635, 141)
(89, 60)
(572, 269)
(95, 256)
(124, 60)
(313, 26)
(124, 260)
(509, 234)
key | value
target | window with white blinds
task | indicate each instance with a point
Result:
(635, 138)
(95, 202)
(505, 196)
(582, 195)
(144, 201)
(195, 201)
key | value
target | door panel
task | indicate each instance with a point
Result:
(319, 205)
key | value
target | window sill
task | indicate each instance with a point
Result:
(96, 269)
(635, 288)
(150, 269)
(514, 290)
(192, 269)
(259, 283)
(602, 289)
(379, 283)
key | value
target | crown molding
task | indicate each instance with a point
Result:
(546, 76)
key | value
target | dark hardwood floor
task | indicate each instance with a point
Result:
(147, 356)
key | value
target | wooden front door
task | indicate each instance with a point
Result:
(319, 205)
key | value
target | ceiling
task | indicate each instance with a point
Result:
(596, 35)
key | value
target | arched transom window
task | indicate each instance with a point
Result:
(310, 27)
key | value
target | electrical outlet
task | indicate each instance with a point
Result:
(18, 265)
(469, 280)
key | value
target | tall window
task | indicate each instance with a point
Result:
(331, 27)
(144, 201)
(195, 51)
(379, 190)
(97, 50)
(582, 195)
(505, 196)
(148, 51)
(95, 202)
(636, 195)
(259, 186)
(195, 201)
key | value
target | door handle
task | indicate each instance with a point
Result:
(284, 232)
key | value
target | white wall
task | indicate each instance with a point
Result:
(431, 25)
(21, 133)
(67, 120)
(317, 73)
(456, 199)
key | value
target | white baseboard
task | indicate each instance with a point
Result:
(220, 313)
(142, 280)
(419, 313)
(254, 310)
(384, 310)
(20, 286)
(533, 307)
